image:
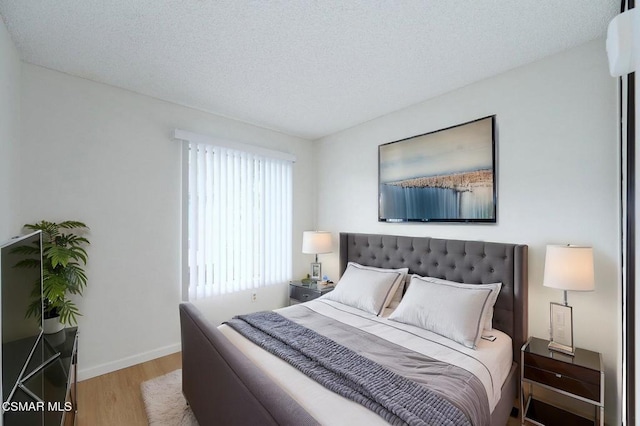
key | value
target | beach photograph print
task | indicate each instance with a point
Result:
(443, 176)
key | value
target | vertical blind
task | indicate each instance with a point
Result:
(240, 220)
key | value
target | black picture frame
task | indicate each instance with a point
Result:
(448, 175)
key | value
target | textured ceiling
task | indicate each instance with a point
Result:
(303, 67)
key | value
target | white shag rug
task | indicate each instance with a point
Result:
(164, 403)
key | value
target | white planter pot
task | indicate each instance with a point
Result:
(52, 325)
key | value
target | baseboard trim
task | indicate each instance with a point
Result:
(109, 367)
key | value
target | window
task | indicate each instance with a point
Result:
(237, 217)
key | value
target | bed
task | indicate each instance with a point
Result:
(227, 379)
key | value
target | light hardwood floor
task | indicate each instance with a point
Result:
(115, 398)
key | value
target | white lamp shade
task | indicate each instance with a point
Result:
(316, 242)
(569, 268)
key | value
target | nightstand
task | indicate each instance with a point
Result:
(299, 292)
(580, 377)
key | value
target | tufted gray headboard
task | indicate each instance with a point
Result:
(470, 262)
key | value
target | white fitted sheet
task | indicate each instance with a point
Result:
(490, 362)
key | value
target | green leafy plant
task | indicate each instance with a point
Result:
(63, 258)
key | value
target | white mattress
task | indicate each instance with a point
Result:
(490, 362)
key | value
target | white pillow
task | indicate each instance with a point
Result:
(495, 292)
(398, 285)
(367, 288)
(452, 311)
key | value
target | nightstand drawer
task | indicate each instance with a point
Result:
(567, 369)
(580, 377)
(559, 381)
(303, 294)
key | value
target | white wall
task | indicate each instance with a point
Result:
(9, 133)
(105, 156)
(557, 182)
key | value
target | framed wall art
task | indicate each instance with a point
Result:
(444, 176)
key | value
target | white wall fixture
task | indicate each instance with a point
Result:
(623, 42)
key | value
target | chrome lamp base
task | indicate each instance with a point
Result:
(557, 347)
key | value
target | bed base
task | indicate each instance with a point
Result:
(223, 387)
(502, 411)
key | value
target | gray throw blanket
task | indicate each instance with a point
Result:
(395, 398)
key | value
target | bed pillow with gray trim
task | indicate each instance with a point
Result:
(367, 288)
(495, 292)
(454, 312)
(398, 284)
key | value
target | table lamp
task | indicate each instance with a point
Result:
(568, 268)
(316, 242)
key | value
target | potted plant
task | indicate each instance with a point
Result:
(63, 259)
